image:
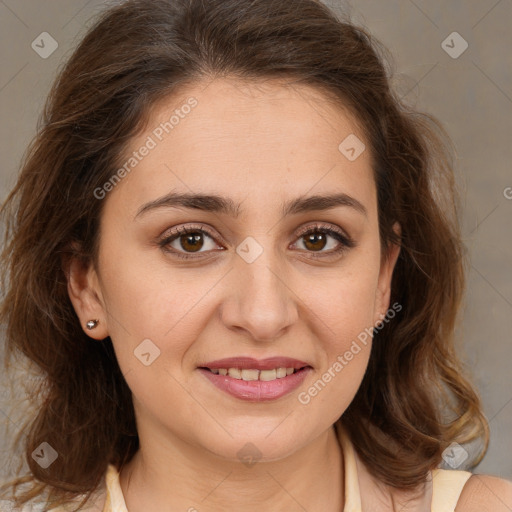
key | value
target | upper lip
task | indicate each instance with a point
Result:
(258, 364)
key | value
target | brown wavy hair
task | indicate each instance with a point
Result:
(414, 399)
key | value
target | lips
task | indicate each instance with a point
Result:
(273, 377)
(257, 390)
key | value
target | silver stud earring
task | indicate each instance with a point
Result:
(91, 324)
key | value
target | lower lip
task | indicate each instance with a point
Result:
(257, 390)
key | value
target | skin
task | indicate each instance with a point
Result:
(260, 145)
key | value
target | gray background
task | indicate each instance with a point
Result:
(471, 95)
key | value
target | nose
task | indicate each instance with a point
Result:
(259, 301)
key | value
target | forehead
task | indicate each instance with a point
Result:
(232, 114)
(266, 139)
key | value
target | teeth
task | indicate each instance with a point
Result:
(268, 374)
(235, 373)
(281, 372)
(250, 374)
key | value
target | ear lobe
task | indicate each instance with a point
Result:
(388, 263)
(84, 293)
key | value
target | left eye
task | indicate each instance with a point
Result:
(316, 239)
(189, 240)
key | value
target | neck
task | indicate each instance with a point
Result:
(189, 478)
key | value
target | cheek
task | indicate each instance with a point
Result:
(147, 299)
(347, 304)
(153, 322)
(345, 337)
(346, 330)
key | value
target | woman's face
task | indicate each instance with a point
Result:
(254, 286)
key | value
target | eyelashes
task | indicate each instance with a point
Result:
(193, 235)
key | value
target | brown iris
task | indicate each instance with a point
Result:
(191, 241)
(313, 239)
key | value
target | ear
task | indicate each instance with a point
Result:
(383, 293)
(85, 293)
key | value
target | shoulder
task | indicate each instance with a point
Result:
(485, 492)
(95, 503)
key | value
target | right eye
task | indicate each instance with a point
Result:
(184, 241)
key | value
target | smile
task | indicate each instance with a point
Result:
(256, 385)
(253, 374)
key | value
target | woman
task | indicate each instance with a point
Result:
(240, 274)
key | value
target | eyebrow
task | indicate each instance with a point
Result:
(225, 205)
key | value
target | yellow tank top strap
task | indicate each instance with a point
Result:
(447, 487)
(114, 501)
(108, 504)
(351, 482)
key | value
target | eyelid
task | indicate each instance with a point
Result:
(174, 233)
(342, 237)
(184, 229)
(327, 227)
